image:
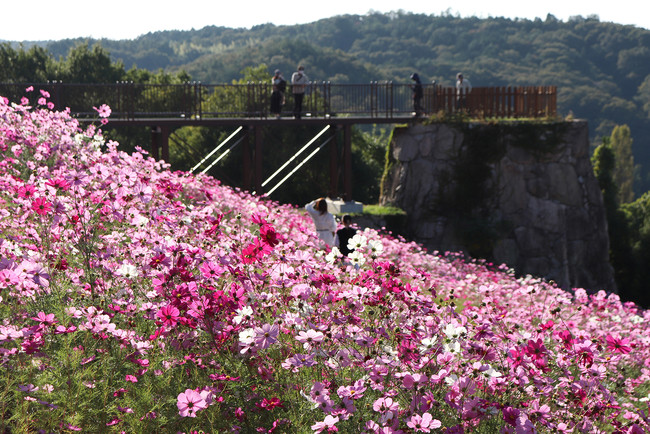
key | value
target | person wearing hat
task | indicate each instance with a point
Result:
(299, 82)
(277, 94)
(463, 87)
(417, 95)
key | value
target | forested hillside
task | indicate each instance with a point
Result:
(601, 69)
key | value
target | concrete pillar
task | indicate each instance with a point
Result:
(347, 163)
(155, 142)
(258, 159)
(160, 142)
(246, 166)
(334, 156)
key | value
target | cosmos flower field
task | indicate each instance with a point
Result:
(137, 299)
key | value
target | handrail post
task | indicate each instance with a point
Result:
(131, 108)
(328, 98)
(390, 95)
(199, 99)
(372, 98)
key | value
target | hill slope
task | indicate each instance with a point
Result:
(139, 299)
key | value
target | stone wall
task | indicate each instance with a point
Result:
(520, 194)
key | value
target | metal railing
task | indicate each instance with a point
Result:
(252, 100)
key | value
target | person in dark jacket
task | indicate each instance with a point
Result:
(277, 95)
(417, 95)
(344, 234)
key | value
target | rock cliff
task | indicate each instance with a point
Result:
(519, 193)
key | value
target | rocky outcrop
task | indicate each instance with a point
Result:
(523, 194)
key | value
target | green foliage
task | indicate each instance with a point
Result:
(621, 143)
(380, 210)
(620, 252)
(599, 67)
(84, 64)
(637, 215)
(32, 65)
(368, 154)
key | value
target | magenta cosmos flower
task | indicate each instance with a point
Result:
(41, 206)
(189, 402)
(618, 345)
(169, 315)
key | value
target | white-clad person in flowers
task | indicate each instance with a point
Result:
(324, 221)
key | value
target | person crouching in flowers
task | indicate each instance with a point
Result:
(324, 221)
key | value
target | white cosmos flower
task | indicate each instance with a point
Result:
(332, 255)
(127, 270)
(452, 347)
(242, 314)
(357, 242)
(246, 337)
(376, 247)
(636, 319)
(451, 379)
(454, 332)
(356, 258)
(427, 343)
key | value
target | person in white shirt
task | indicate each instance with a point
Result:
(324, 221)
(299, 82)
(463, 88)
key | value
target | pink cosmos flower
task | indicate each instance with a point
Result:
(169, 315)
(26, 191)
(353, 392)
(189, 402)
(309, 337)
(258, 219)
(59, 183)
(131, 378)
(266, 335)
(535, 349)
(103, 111)
(270, 404)
(299, 361)
(319, 391)
(268, 235)
(45, 319)
(567, 338)
(424, 423)
(328, 424)
(385, 404)
(114, 421)
(510, 415)
(8, 278)
(618, 345)
(41, 206)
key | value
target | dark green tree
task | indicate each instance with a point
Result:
(89, 65)
(637, 214)
(620, 249)
(25, 66)
(624, 170)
